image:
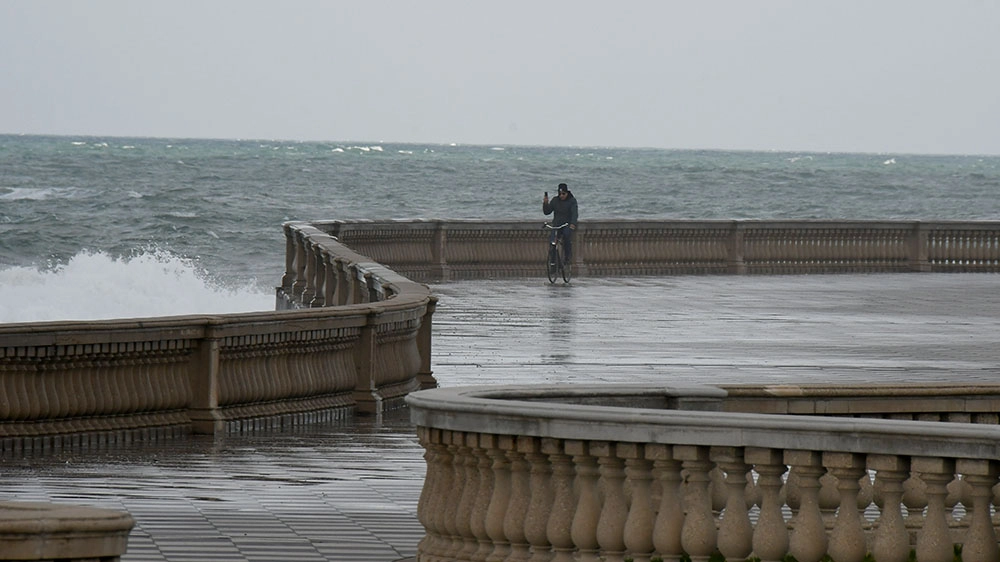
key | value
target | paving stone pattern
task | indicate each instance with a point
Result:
(348, 491)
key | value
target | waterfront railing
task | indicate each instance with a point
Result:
(439, 250)
(614, 473)
(361, 349)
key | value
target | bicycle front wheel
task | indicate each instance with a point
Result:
(552, 264)
(566, 267)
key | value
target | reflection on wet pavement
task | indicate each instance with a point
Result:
(339, 492)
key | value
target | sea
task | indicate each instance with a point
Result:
(106, 227)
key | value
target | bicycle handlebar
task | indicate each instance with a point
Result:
(550, 227)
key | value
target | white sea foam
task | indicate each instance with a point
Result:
(96, 286)
(35, 193)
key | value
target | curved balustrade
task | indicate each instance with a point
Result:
(628, 472)
(471, 249)
(349, 334)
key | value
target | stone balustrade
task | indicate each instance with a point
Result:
(432, 250)
(611, 473)
(349, 335)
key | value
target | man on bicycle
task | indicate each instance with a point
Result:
(563, 211)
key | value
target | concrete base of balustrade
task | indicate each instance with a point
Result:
(43, 531)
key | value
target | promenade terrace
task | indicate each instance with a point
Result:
(754, 360)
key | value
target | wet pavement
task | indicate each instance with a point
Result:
(348, 491)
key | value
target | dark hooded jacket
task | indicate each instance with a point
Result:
(562, 211)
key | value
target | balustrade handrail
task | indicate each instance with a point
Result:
(514, 410)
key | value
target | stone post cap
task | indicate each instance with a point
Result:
(46, 531)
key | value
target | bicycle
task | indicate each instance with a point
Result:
(556, 264)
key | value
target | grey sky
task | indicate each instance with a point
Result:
(886, 76)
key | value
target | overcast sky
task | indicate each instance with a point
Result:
(913, 76)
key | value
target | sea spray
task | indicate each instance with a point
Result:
(95, 286)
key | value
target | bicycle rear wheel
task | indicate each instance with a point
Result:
(566, 267)
(552, 264)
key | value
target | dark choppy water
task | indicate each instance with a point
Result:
(215, 207)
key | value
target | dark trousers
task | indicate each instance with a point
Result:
(567, 234)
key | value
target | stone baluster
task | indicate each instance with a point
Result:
(309, 291)
(638, 533)
(614, 508)
(981, 540)
(996, 502)
(560, 520)
(289, 277)
(429, 504)
(808, 541)
(468, 465)
(934, 542)
(517, 507)
(319, 276)
(540, 506)
(735, 531)
(670, 515)
(890, 542)
(486, 443)
(915, 500)
(341, 292)
(444, 497)
(847, 538)
(345, 286)
(497, 511)
(300, 265)
(456, 486)
(699, 533)
(958, 493)
(331, 280)
(588, 508)
(829, 498)
(770, 536)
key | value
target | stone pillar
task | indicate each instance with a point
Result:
(366, 394)
(734, 260)
(919, 251)
(424, 343)
(204, 411)
(439, 247)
